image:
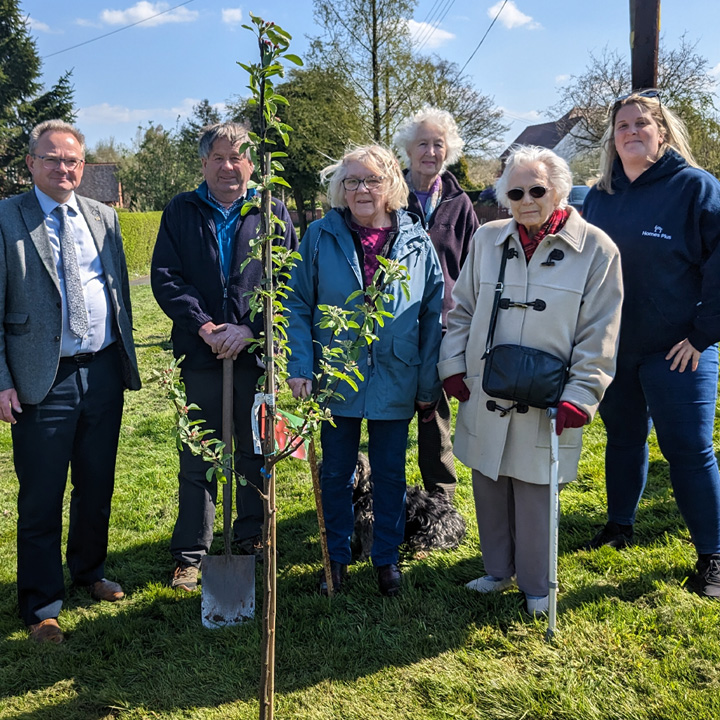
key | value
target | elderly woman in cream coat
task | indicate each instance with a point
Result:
(557, 257)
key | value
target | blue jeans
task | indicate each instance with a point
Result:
(386, 448)
(682, 407)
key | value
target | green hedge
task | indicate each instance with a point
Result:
(139, 231)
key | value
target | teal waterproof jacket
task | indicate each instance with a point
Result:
(400, 367)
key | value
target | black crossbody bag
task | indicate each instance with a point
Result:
(524, 375)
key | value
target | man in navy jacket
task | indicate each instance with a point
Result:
(198, 282)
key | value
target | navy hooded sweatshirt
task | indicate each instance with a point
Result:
(667, 226)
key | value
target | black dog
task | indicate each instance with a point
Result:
(431, 521)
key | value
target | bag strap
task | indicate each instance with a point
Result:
(496, 300)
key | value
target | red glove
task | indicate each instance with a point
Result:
(455, 387)
(568, 416)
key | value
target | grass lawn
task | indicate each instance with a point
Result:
(631, 643)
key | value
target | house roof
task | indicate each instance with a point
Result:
(547, 134)
(99, 182)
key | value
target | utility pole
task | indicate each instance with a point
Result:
(644, 41)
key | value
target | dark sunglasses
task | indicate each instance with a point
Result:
(536, 191)
(651, 93)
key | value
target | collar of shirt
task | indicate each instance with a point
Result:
(48, 205)
(226, 211)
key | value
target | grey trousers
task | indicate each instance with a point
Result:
(514, 524)
(435, 452)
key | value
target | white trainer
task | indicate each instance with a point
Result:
(537, 606)
(490, 584)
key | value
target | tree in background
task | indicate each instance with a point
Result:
(319, 136)
(106, 151)
(369, 44)
(22, 104)
(165, 162)
(684, 81)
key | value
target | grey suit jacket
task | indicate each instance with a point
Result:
(30, 300)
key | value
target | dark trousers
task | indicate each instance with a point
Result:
(435, 452)
(193, 532)
(387, 443)
(76, 425)
(681, 405)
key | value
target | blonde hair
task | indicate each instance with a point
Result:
(558, 172)
(378, 160)
(674, 132)
(407, 133)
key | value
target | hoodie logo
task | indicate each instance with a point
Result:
(657, 232)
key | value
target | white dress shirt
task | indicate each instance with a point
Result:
(92, 276)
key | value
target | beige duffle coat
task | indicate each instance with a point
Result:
(580, 323)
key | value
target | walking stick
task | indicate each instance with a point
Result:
(554, 522)
(321, 518)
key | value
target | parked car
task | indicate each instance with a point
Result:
(577, 196)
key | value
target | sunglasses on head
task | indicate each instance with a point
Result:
(651, 93)
(536, 191)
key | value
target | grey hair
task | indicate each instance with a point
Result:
(377, 159)
(408, 131)
(54, 126)
(234, 133)
(558, 172)
(673, 129)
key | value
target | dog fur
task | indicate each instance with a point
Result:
(431, 520)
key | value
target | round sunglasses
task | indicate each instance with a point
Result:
(536, 191)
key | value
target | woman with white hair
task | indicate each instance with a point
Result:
(430, 142)
(340, 257)
(561, 294)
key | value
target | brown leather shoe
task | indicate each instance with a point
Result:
(46, 631)
(106, 590)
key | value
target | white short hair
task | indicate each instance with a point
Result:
(408, 131)
(558, 172)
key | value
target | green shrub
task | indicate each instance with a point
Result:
(139, 232)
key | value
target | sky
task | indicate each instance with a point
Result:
(159, 68)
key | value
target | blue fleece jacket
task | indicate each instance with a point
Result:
(667, 226)
(400, 366)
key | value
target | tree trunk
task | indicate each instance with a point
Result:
(300, 205)
(377, 130)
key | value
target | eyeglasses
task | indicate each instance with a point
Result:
(53, 163)
(536, 191)
(650, 93)
(371, 183)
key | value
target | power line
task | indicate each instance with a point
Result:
(482, 39)
(113, 32)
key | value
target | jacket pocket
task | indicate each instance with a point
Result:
(406, 351)
(16, 323)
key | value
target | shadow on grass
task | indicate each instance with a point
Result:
(150, 651)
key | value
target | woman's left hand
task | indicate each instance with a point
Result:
(683, 353)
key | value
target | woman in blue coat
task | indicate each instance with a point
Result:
(663, 212)
(339, 256)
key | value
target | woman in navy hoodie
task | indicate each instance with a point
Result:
(663, 212)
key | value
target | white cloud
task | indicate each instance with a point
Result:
(561, 79)
(231, 16)
(38, 26)
(82, 22)
(144, 10)
(512, 17)
(106, 114)
(715, 72)
(430, 37)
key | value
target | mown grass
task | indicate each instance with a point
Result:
(632, 643)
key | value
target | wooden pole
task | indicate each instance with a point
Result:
(644, 42)
(312, 457)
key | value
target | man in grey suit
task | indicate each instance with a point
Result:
(66, 355)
